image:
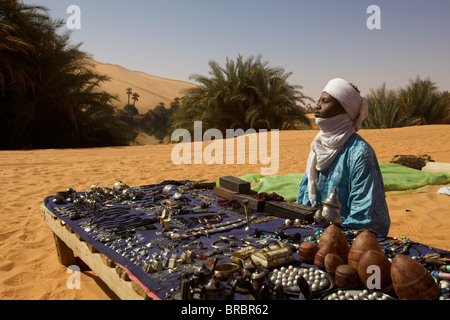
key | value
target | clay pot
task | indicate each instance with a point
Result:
(347, 277)
(411, 280)
(307, 250)
(334, 241)
(365, 241)
(331, 262)
(383, 281)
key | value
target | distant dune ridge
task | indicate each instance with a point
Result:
(151, 89)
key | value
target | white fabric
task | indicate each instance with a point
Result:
(334, 133)
(355, 105)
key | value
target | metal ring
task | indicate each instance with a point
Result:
(178, 192)
(214, 244)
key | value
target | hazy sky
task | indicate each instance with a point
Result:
(316, 40)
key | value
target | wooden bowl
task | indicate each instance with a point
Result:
(307, 250)
(374, 270)
(347, 277)
(331, 262)
(365, 241)
(411, 281)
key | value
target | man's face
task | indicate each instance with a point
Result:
(328, 107)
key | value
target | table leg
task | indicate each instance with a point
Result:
(65, 255)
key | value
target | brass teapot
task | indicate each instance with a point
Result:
(329, 211)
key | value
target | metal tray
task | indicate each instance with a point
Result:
(295, 290)
(376, 295)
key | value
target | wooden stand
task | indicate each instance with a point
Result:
(68, 245)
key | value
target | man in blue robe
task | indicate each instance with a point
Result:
(340, 158)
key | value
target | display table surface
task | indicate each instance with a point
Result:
(121, 260)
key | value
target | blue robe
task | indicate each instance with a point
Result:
(356, 174)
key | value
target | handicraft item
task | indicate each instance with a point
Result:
(352, 294)
(411, 280)
(288, 277)
(307, 250)
(332, 240)
(365, 269)
(331, 262)
(234, 184)
(329, 211)
(363, 242)
(289, 210)
(273, 256)
(347, 277)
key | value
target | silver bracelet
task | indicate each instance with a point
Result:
(178, 192)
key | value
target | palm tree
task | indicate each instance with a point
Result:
(129, 92)
(65, 103)
(419, 103)
(246, 93)
(10, 46)
(425, 104)
(386, 110)
(135, 98)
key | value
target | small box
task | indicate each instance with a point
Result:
(290, 210)
(235, 184)
(223, 193)
(273, 256)
(253, 204)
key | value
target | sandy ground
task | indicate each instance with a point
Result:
(29, 268)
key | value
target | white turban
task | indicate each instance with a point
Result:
(334, 131)
(350, 99)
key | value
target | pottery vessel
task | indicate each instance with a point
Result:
(374, 270)
(307, 250)
(365, 241)
(331, 262)
(411, 281)
(334, 241)
(347, 277)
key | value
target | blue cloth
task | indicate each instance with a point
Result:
(356, 174)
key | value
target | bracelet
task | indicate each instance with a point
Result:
(230, 244)
(215, 219)
(296, 237)
(178, 192)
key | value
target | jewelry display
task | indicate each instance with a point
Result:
(192, 244)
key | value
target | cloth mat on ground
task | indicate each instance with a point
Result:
(395, 177)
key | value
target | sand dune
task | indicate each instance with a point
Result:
(29, 267)
(151, 89)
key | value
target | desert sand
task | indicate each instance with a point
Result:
(29, 268)
(151, 89)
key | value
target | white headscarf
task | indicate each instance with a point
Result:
(334, 131)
